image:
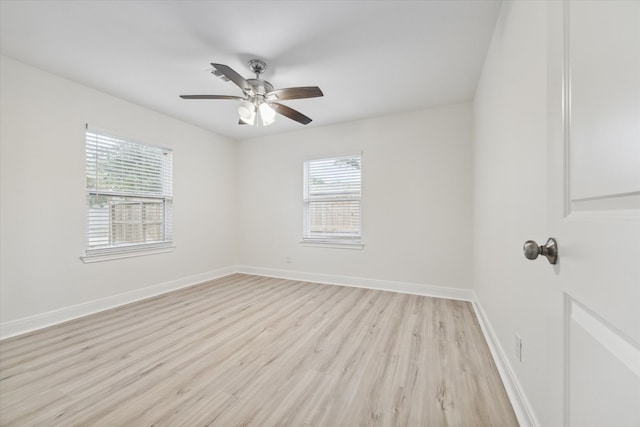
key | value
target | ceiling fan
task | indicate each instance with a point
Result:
(259, 101)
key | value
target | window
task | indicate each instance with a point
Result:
(129, 197)
(332, 193)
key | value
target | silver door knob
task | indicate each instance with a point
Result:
(549, 250)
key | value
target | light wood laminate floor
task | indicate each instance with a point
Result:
(254, 351)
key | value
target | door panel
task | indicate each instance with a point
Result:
(594, 204)
(605, 99)
(604, 372)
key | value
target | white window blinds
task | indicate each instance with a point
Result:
(332, 193)
(129, 195)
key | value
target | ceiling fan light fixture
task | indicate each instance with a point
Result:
(259, 96)
(267, 114)
(247, 112)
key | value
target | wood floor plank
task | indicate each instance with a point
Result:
(258, 351)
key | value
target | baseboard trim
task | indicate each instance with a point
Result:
(521, 406)
(359, 282)
(54, 317)
(43, 320)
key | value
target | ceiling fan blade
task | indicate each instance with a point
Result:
(290, 112)
(210, 97)
(294, 93)
(229, 73)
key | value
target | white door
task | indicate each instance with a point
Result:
(594, 199)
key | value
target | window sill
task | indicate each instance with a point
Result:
(87, 259)
(336, 244)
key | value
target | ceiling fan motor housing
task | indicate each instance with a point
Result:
(260, 87)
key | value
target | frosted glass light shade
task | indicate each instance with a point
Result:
(267, 114)
(247, 112)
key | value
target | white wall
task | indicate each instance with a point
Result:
(510, 203)
(416, 209)
(42, 198)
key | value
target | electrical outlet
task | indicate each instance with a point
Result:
(518, 343)
(288, 259)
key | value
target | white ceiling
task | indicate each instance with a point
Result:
(370, 58)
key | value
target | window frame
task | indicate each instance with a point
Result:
(324, 239)
(113, 198)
